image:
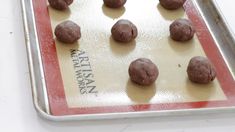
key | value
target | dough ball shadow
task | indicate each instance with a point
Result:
(181, 47)
(170, 14)
(140, 94)
(121, 49)
(58, 15)
(113, 13)
(199, 92)
(65, 46)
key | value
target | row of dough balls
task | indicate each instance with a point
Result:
(64, 4)
(123, 30)
(142, 71)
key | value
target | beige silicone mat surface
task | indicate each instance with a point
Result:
(95, 69)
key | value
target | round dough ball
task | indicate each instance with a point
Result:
(143, 71)
(68, 32)
(201, 70)
(172, 4)
(182, 30)
(60, 4)
(124, 31)
(114, 3)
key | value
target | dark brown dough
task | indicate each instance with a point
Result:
(182, 30)
(143, 71)
(124, 31)
(114, 3)
(68, 32)
(201, 70)
(172, 4)
(60, 4)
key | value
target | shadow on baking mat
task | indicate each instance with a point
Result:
(113, 13)
(121, 49)
(66, 47)
(200, 91)
(170, 15)
(140, 94)
(57, 15)
(182, 48)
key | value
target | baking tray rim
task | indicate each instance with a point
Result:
(127, 115)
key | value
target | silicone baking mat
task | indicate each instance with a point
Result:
(91, 76)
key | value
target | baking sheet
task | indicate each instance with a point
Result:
(108, 88)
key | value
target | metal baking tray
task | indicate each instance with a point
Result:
(58, 95)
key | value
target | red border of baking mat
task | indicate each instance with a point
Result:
(54, 83)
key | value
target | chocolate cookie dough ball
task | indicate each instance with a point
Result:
(143, 71)
(68, 32)
(60, 4)
(172, 4)
(182, 30)
(114, 3)
(124, 31)
(201, 70)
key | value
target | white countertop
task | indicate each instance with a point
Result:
(17, 113)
